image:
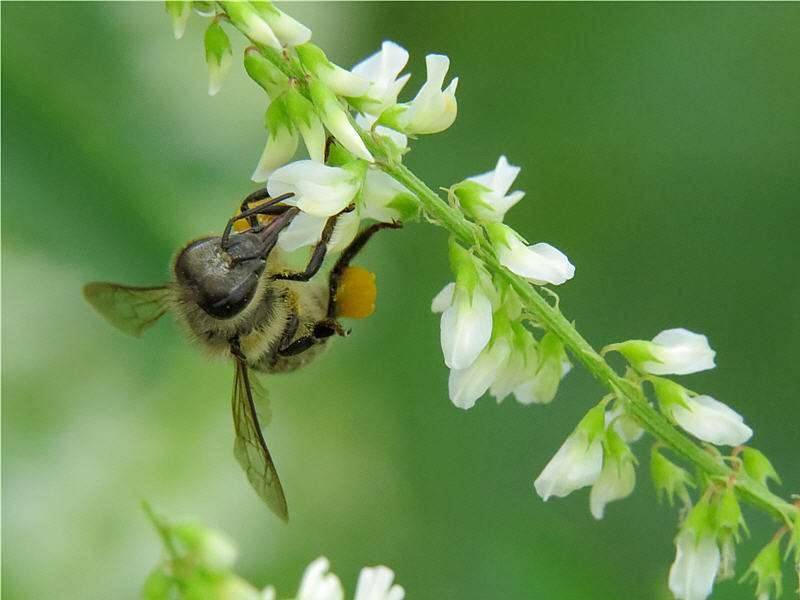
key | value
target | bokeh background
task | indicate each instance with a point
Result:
(660, 147)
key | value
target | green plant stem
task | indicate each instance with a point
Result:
(472, 236)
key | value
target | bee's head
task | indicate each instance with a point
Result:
(222, 281)
(221, 274)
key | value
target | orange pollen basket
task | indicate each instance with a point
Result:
(355, 296)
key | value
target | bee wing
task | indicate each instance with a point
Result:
(129, 309)
(250, 449)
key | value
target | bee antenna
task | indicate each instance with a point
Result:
(270, 207)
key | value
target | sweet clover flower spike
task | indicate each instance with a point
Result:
(179, 10)
(375, 583)
(466, 324)
(288, 31)
(540, 385)
(382, 72)
(468, 384)
(702, 416)
(282, 140)
(218, 56)
(578, 462)
(340, 81)
(485, 197)
(337, 121)
(618, 477)
(318, 189)
(433, 109)
(671, 352)
(319, 584)
(539, 263)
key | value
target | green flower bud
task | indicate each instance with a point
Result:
(765, 570)
(244, 16)
(336, 120)
(304, 116)
(757, 466)
(179, 10)
(264, 73)
(729, 514)
(218, 56)
(341, 81)
(208, 547)
(669, 479)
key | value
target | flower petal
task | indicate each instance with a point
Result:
(712, 421)
(466, 327)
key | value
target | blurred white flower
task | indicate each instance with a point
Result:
(697, 560)
(382, 71)
(318, 584)
(485, 197)
(539, 263)
(179, 11)
(218, 56)
(616, 481)
(375, 583)
(578, 462)
(245, 18)
(318, 189)
(711, 421)
(521, 365)
(625, 426)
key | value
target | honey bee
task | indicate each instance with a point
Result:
(234, 296)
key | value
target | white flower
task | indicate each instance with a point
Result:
(289, 31)
(469, 384)
(268, 593)
(375, 583)
(382, 71)
(304, 116)
(539, 263)
(541, 383)
(282, 140)
(433, 109)
(336, 120)
(319, 190)
(366, 121)
(578, 462)
(485, 197)
(711, 421)
(691, 576)
(466, 324)
(318, 584)
(679, 352)
(616, 481)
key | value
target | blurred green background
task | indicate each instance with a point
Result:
(660, 147)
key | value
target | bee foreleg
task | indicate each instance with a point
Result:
(317, 256)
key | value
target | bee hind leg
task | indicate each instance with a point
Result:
(322, 331)
(318, 254)
(349, 254)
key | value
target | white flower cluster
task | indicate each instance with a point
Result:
(316, 101)
(598, 454)
(483, 342)
(374, 583)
